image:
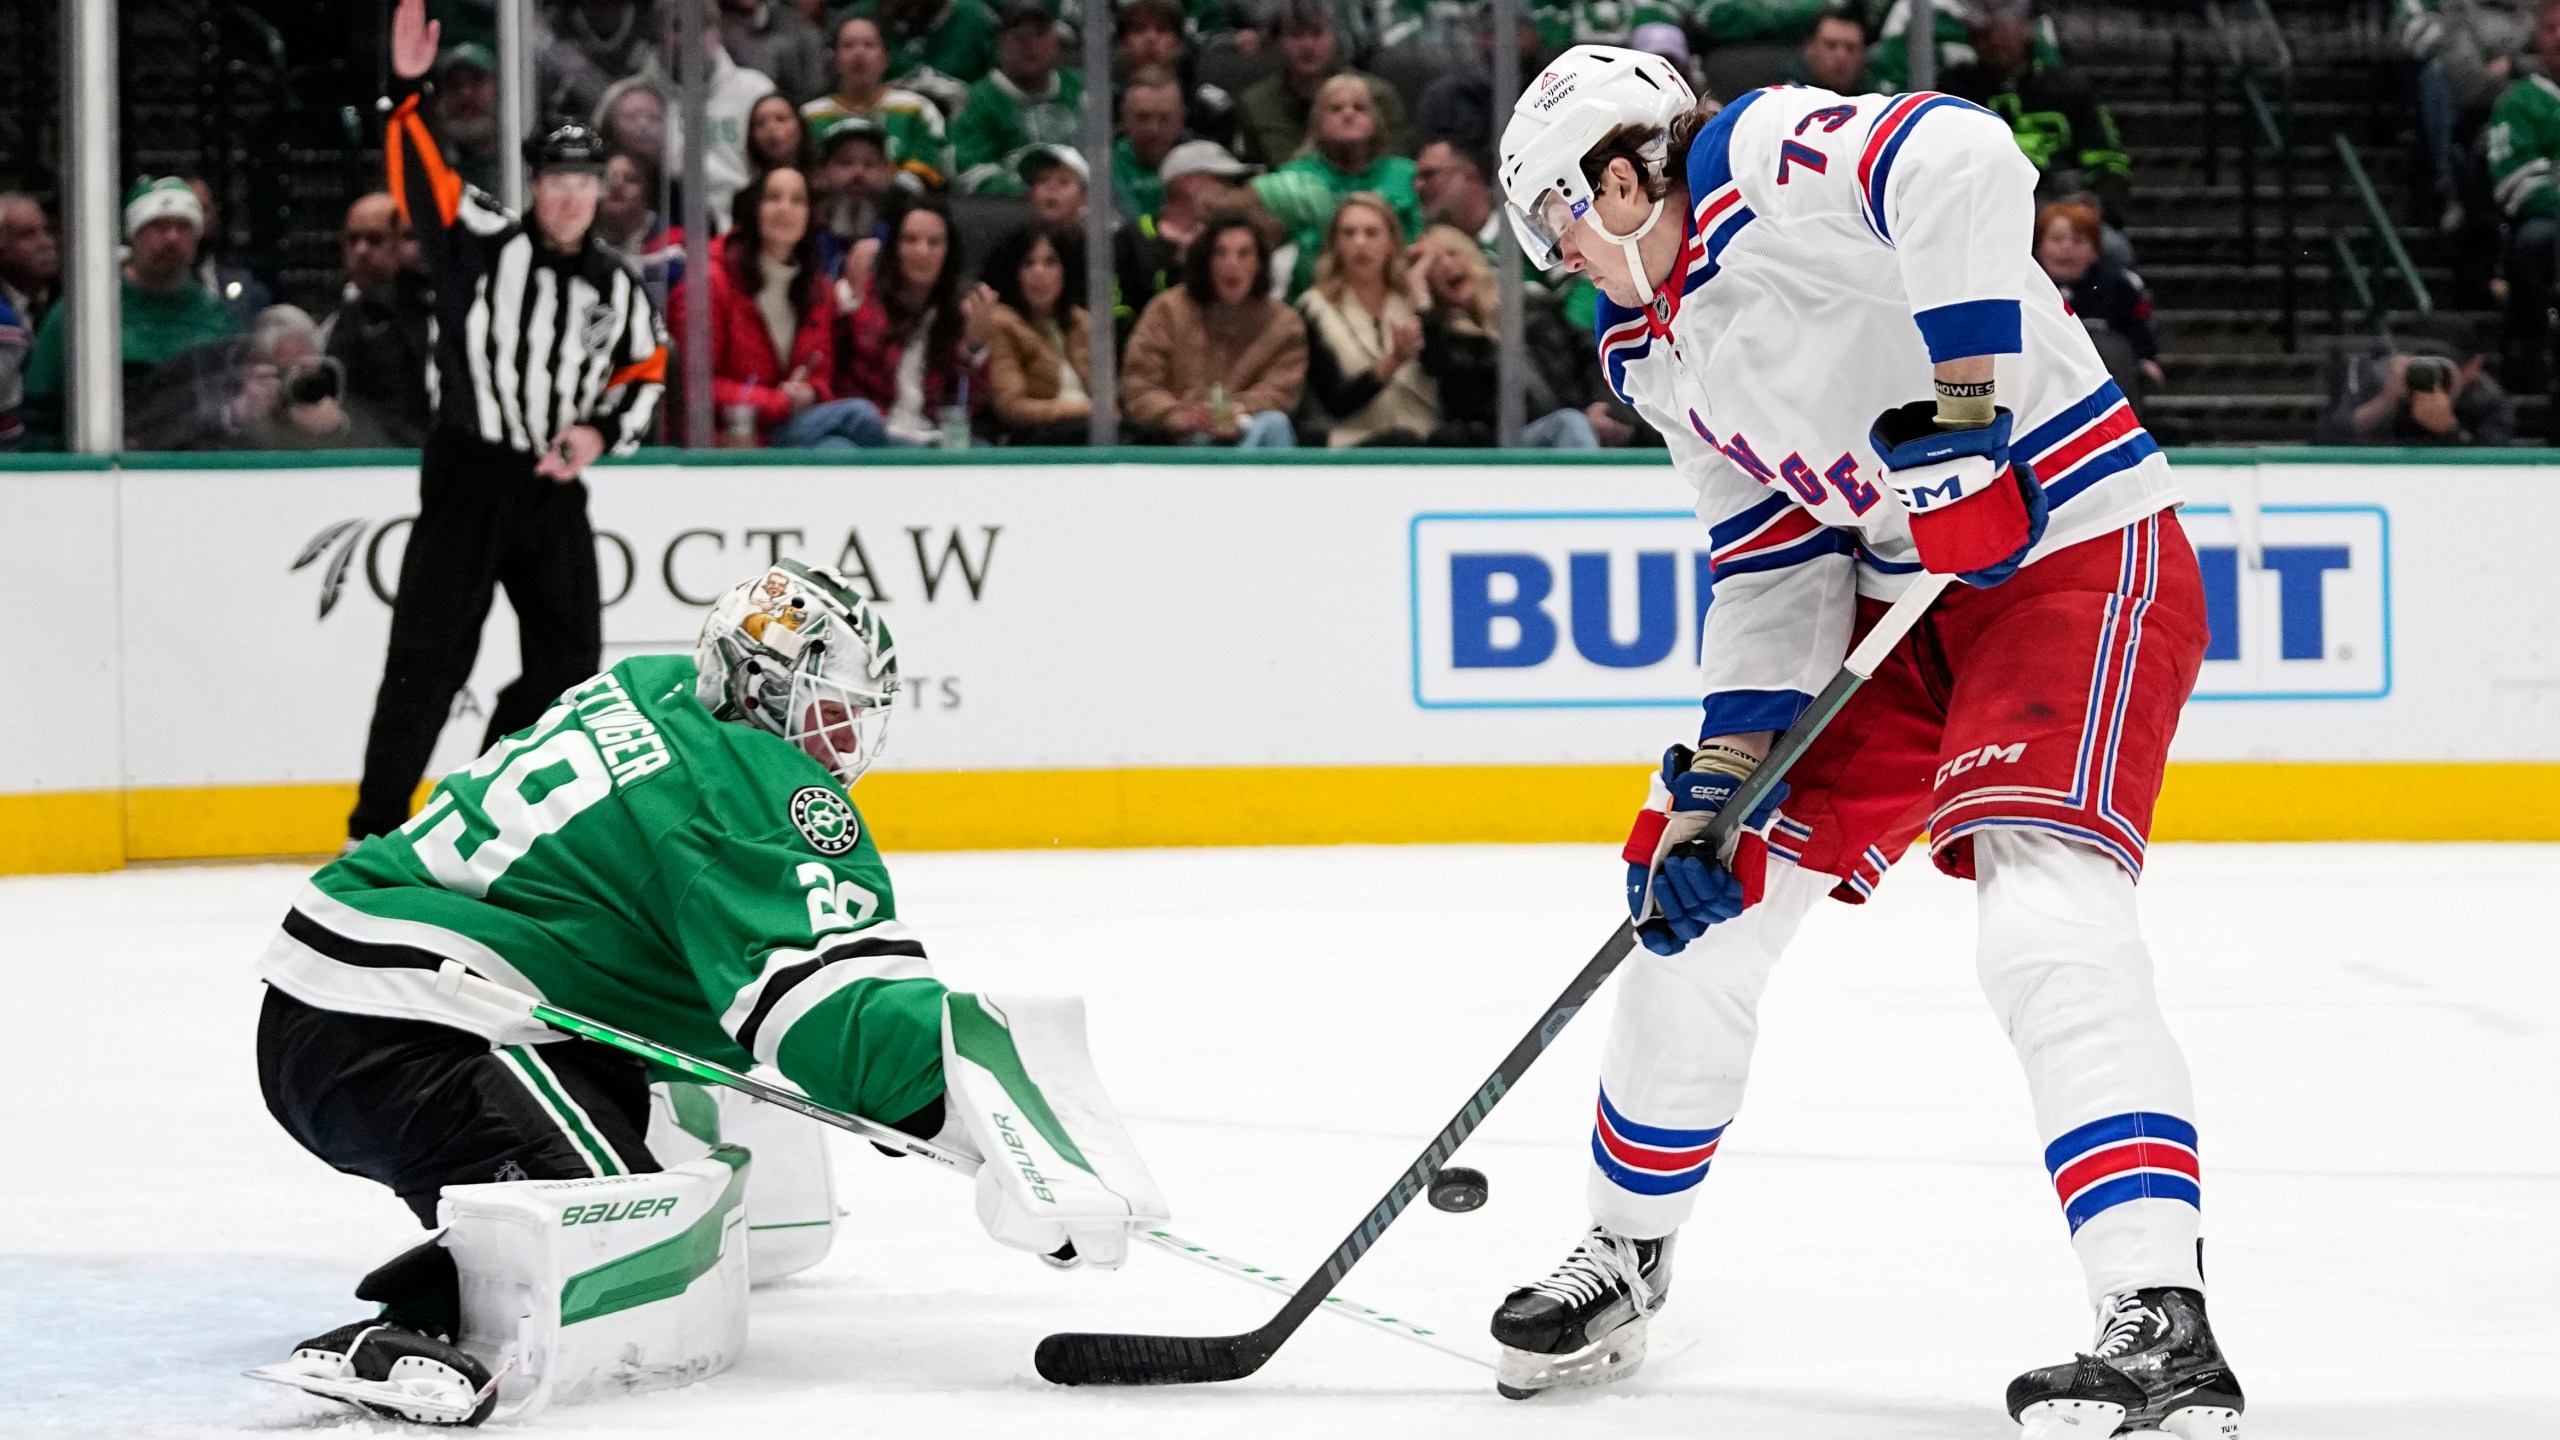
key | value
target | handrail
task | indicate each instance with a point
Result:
(2274, 132)
(2352, 166)
(2353, 270)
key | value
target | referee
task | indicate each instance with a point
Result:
(547, 354)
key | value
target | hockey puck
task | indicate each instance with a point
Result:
(1458, 1190)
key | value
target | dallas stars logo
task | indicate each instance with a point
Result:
(825, 819)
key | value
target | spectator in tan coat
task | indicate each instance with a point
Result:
(1038, 362)
(1217, 361)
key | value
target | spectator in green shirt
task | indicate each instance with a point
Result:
(164, 311)
(1027, 100)
(1272, 116)
(1150, 126)
(2524, 148)
(937, 48)
(1345, 156)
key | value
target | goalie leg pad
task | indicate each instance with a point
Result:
(791, 1192)
(578, 1289)
(1060, 1166)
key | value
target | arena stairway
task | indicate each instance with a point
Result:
(2231, 377)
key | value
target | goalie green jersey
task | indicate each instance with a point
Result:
(631, 858)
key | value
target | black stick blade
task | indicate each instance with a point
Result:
(1077, 1358)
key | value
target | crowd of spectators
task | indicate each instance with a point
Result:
(1304, 222)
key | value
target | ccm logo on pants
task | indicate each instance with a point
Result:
(1975, 759)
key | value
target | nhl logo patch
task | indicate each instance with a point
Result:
(825, 819)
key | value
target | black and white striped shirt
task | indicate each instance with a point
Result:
(528, 341)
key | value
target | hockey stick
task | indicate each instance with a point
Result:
(452, 979)
(1086, 1358)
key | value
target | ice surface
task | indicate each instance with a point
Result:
(2371, 1027)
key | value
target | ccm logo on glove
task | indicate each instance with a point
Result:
(1974, 515)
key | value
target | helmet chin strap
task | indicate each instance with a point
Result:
(1627, 243)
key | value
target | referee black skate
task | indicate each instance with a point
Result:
(547, 354)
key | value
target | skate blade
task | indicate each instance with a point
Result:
(2194, 1422)
(429, 1399)
(2070, 1420)
(1523, 1373)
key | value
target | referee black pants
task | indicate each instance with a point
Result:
(484, 520)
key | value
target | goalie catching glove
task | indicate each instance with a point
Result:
(1974, 515)
(1060, 1176)
(1676, 888)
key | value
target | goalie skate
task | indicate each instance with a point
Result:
(390, 1371)
(1583, 1325)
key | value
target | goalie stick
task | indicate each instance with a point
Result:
(452, 978)
(1086, 1358)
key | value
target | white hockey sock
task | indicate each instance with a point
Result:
(2063, 963)
(1679, 1051)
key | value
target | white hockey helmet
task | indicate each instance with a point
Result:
(797, 653)
(1577, 102)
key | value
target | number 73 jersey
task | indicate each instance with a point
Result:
(631, 858)
(1836, 248)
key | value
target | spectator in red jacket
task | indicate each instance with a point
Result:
(912, 343)
(773, 320)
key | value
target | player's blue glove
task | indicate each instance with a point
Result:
(1676, 888)
(1974, 514)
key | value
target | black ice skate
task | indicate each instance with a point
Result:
(396, 1373)
(1584, 1324)
(2156, 1371)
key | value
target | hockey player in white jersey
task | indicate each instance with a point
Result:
(1828, 306)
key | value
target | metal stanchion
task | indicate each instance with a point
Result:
(693, 347)
(93, 225)
(1510, 412)
(515, 100)
(1101, 352)
(1923, 39)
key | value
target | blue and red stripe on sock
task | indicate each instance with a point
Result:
(1650, 1159)
(2141, 1155)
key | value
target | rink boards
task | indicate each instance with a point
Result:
(1217, 653)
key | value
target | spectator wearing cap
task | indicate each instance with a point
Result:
(850, 188)
(1026, 100)
(910, 125)
(162, 310)
(937, 48)
(1199, 178)
(30, 260)
(1056, 181)
(465, 108)
(378, 335)
(779, 41)
(1834, 57)
(1344, 156)
(1150, 35)
(1150, 126)
(1273, 117)
(229, 281)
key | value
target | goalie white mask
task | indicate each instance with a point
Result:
(797, 653)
